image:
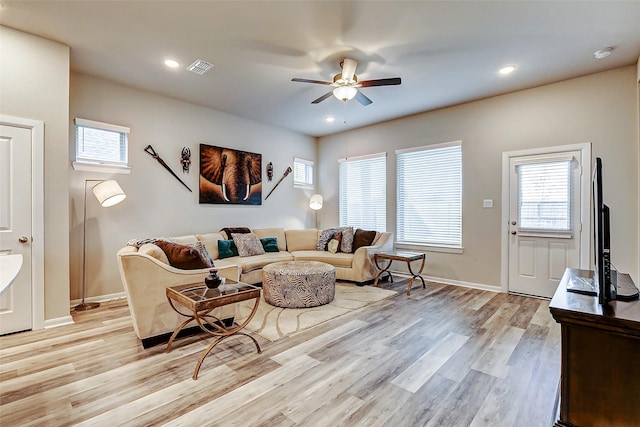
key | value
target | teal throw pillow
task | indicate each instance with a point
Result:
(270, 244)
(227, 248)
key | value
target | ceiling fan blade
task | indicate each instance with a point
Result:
(320, 82)
(348, 69)
(322, 98)
(381, 82)
(362, 99)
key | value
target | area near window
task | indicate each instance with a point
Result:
(302, 173)
(429, 196)
(100, 145)
(363, 192)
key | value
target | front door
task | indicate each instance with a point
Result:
(15, 225)
(544, 220)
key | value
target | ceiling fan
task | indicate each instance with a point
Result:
(346, 84)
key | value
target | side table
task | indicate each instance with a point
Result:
(407, 257)
(200, 301)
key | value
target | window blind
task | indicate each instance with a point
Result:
(544, 195)
(429, 195)
(103, 143)
(363, 192)
(302, 173)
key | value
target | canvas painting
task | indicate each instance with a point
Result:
(230, 177)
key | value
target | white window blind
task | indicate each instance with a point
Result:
(429, 199)
(302, 173)
(363, 192)
(101, 143)
(544, 195)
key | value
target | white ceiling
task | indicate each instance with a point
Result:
(445, 52)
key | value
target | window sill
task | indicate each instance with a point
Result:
(429, 248)
(96, 167)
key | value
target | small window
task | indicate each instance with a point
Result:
(101, 143)
(302, 173)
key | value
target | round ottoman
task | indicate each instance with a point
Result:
(298, 284)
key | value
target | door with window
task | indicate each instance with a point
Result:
(544, 220)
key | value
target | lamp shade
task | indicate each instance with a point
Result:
(315, 202)
(345, 93)
(109, 193)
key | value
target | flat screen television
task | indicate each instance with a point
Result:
(601, 240)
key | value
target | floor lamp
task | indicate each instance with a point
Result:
(108, 193)
(315, 203)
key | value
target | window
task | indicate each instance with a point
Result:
(544, 195)
(101, 143)
(363, 192)
(429, 185)
(302, 173)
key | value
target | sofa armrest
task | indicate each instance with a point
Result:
(363, 256)
(145, 280)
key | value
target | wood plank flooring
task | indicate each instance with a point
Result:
(445, 356)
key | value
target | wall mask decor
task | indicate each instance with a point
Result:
(229, 177)
(185, 159)
(270, 171)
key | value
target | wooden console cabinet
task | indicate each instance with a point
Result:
(600, 377)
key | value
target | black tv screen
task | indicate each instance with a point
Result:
(601, 239)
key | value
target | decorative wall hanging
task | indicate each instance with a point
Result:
(270, 171)
(149, 149)
(287, 172)
(185, 159)
(230, 176)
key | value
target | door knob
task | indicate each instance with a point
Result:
(23, 239)
(513, 223)
(513, 232)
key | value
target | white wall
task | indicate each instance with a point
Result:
(157, 204)
(34, 84)
(600, 108)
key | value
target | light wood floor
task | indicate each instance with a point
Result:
(445, 356)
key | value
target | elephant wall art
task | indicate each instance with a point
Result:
(230, 177)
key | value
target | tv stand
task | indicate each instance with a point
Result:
(599, 383)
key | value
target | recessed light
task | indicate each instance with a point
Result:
(603, 53)
(329, 119)
(171, 63)
(507, 69)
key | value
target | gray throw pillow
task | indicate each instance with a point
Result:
(324, 237)
(248, 244)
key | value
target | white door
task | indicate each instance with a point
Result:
(544, 220)
(15, 225)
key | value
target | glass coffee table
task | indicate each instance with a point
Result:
(199, 301)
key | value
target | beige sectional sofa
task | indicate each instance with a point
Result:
(146, 272)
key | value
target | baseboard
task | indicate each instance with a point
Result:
(101, 298)
(481, 286)
(59, 321)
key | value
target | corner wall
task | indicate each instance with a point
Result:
(34, 84)
(600, 108)
(157, 204)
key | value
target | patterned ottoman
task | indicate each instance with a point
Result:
(298, 284)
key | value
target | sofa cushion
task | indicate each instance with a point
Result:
(226, 249)
(299, 240)
(155, 252)
(256, 262)
(323, 238)
(363, 238)
(346, 242)
(248, 244)
(210, 241)
(278, 233)
(185, 257)
(339, 259)
(270, 244)
(334, 244)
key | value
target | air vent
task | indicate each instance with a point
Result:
(200, 67)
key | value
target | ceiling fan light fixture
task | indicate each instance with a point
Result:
(345, 93)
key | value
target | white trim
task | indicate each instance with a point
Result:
(37, 214)
(101, 168)
(100, 298)
(481, 286)
(364, 157)
(585, 203)
(101, 125)
(59, 321)
(429, 248)
(430, 147)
